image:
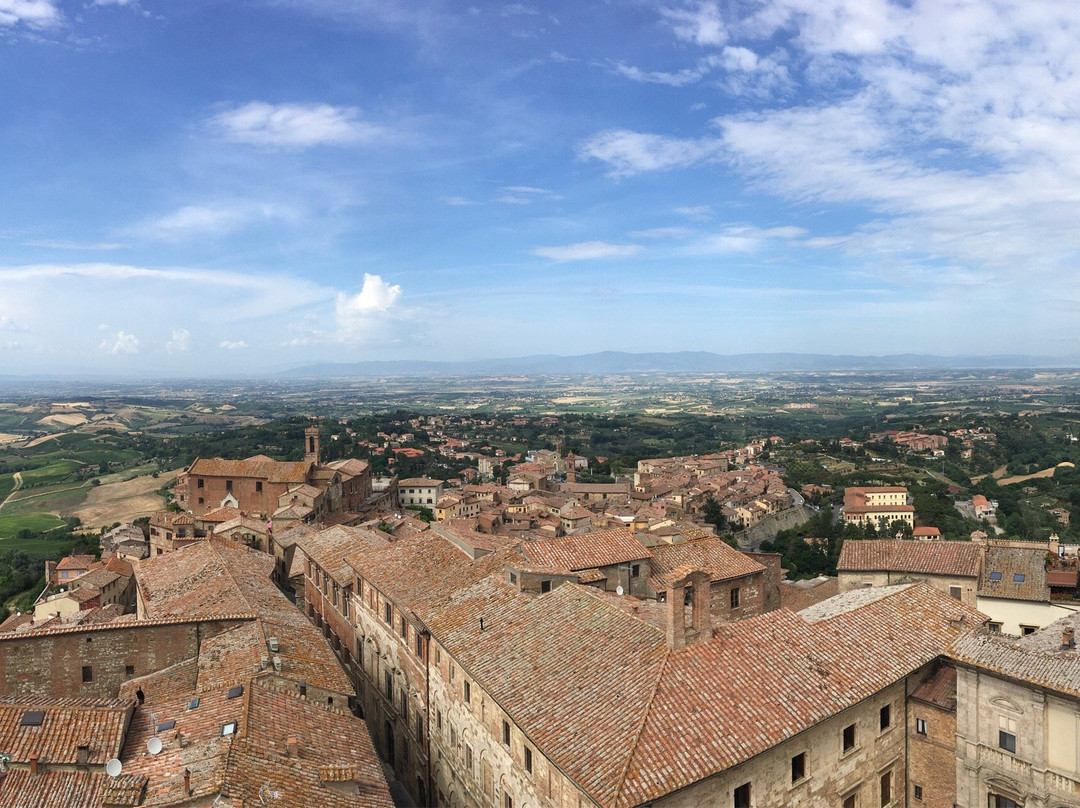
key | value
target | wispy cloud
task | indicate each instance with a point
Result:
(31, 13)
(232, 345)
(210, 220)
(698, 213)
(741, 238)
(293, 125)
(62, 244)
(700, 22)
(457, 201)
(628, 153)
(524, 195)
(587, 251)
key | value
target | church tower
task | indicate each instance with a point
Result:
(311, 445)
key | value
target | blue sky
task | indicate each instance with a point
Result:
(220, 187)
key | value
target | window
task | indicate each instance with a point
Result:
(451, 671)
(228, 485)
(360, 588)
(734, 597)
(129, 670)
(995, 628)
(453, 736)
(528, 760)
(742, 796)
(88, 673)
(997, 801)
(545, 586)
(467, 693)
(359, 652)
(635, 571)
(388, 613)
(258, 486)
(1018, 578)
(468, 757)
(200, 485)
(200, 500)
(438, 656)
(798, 767)
(1025, 630)
(438, 719)
(506, 733)
(995, 576)
(388, 683)
(849, 738)
(851, 800)
(918, 792)
(955, 592)
(404, 628)
(345, 604)
(228, 729)
(886, 788)
(1007, 734)
(508, 801)
(419, 645)
(920, 726)
(419, 728)
(885, 717)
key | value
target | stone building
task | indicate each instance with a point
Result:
(951, 567)
(480, 691)
(879, 506)
(1018, 718)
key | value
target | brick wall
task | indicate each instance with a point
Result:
(51, 665)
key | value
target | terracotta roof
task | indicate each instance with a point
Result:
(100, 725)
(219, 577)
(419, 482)
(330, 547)
(225, 513)
(798, 595)
(713, 555)
(938, 689)
(585, 551)
(1065, 578)
(1014, 573)
(75, 562)
(48, 789)
(643, 721)
(955, 558)
(259, 467)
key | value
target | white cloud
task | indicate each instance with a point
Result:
(629, 153)
(375, 296)
(62, 244)
(679, 78)
(698, 213)
(179, 342)
(457, 201)
(8, 324)
(121, 343)
(587, 251)
(662, 232)
(293, 125)
(524, 195)
(741, 238)
(32, 13)
(232, 345)
(210, 220)
(700, 23)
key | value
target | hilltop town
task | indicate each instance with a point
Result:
(418, 614)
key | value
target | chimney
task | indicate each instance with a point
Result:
(82, 755)
(1068, 639)
(679, 634)
(292, 748)
(187, 782)
(33, 764)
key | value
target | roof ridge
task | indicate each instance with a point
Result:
(641, 727)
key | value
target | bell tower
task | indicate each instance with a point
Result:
(311, 445)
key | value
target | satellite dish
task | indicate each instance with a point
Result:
(153, 746)
(114, 767)
(618, 590)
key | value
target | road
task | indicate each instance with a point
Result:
(17, 477)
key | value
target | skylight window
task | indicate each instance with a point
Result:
(1018, 578)
(164, 725)
(995, 576)
(32, 718)
(235, 692)
(228, 729)
(193, 704)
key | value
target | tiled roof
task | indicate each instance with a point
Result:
(226, 513)
(219, 577)
(63, 728)
(939, 689)
(75, 562)
(637, 721)
(20, 789)
(585, 551)
(798, 595)
(1014, 573)
(956, 558)
(258, 467)
(1037, 659)
(713, 555)
(330, 547)
(419, 482)
(417, 571)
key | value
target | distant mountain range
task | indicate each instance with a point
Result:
(678, 362)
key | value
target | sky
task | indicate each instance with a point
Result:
(205, 188)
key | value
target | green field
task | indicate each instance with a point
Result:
(12, 523)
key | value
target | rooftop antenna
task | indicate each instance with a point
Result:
(153, 746)
(114, 767)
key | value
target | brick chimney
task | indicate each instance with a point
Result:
(1068, 639)
(82, 755)
(692, 584)
(33, 764)
(292, 747)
